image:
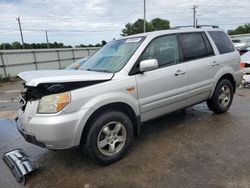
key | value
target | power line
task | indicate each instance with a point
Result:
(86, 31)
(123, 14)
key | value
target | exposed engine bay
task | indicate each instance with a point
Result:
(37, 92)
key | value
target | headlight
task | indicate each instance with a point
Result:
(53, 103)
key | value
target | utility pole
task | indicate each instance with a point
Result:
(194, 15)
(144, 24)
(47, 39)
(20, 28)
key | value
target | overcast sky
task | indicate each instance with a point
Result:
(90, 21)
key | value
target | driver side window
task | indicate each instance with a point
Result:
(164, 49)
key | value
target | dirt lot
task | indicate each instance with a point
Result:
(192, 149)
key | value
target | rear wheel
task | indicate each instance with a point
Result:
(109, 137)
(222, 97)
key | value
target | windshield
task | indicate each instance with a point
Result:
(113, 56)
(77, 64)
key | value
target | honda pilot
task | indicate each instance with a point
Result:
(101, 106)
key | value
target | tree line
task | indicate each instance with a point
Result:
(130, 29)
(243, 29)
(18, 45)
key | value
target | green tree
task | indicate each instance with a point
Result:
(103, 42)
(137, 26)
(16, 45)
(243, 29)
(5, 46)
(160, 24)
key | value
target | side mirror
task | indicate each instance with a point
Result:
(148, 65)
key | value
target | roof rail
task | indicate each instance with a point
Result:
(197, 26)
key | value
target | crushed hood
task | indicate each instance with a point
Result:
(34, 78)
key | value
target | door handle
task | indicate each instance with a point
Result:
(215, 63)
(179, 72)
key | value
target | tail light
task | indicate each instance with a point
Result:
(242, 65)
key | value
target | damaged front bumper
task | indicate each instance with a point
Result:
(28, 137)
(58, 131)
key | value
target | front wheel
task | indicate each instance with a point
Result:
(222, 97)
(109, 137)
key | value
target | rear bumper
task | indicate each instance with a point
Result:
(246, 70)
(238, 77)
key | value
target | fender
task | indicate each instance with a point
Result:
(222, 71)
(101, 100)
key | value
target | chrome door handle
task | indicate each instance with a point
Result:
(215, 63)
(179, 72)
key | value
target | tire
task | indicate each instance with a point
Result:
(222, 97)
(113, 130)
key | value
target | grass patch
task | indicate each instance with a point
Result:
(8, 79)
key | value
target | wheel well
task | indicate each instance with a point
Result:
(119, 106)
(230, 78)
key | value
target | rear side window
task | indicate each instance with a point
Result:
(193, 46)
(222, 42)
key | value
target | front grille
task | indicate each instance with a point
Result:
(23, 100)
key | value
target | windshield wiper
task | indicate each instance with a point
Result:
(98, 70)
(90, 70)
(105, 71)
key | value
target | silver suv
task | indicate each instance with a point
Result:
(101, 106)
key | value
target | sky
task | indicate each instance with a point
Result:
(91, 21)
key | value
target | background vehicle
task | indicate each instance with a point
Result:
(245, 62)
(101, 106)
(241, 44)
(77, 64)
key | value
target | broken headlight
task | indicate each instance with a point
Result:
(53, 103)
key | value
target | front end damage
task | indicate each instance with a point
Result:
(45, 95)
(32, 93)
(49, 82)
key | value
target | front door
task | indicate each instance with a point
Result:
(162, 90)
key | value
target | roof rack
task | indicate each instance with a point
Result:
(197, 26)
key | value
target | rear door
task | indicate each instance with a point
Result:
(227, 55)
(165, 89)
(200, 60)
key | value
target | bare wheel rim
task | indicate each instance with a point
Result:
(111, 139)
(224, 96)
